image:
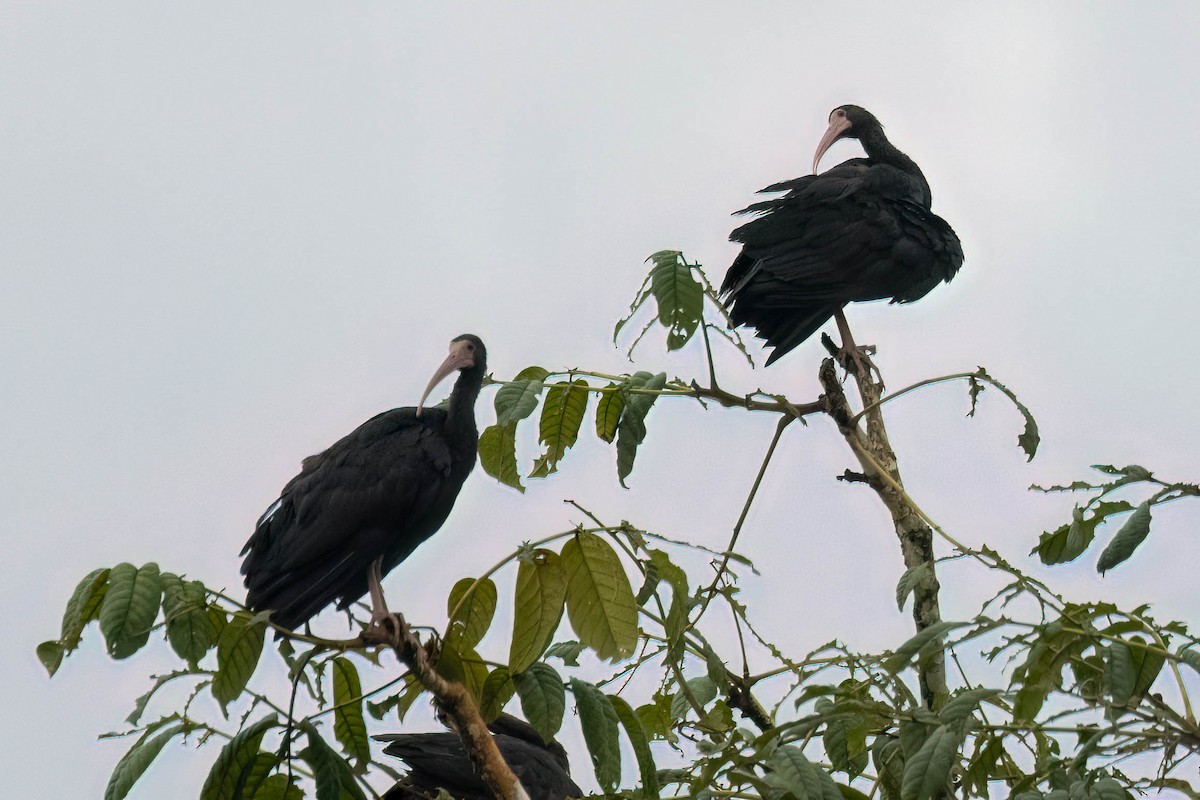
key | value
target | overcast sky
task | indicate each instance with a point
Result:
(229, 232)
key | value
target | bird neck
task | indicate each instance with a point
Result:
(461, 414)
(879, 149)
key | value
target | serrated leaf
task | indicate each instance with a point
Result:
(543, 698)
(83, 607)
(541, 593)
(1069, 541)
(1029, 439)
(330, 773)
(517, 399)
(498, 689)
(641, 746)
(923, 642)
(129, 608)
(471, 614)
(228, 775)
(51, 655)
(608, 413)
(185, 608)
(238, 650)
(498, 454)
(915, 576)
(1131, 534)
(401, 701)
(928, 770)
(963, 704)
(794, 773)
(558, 429)
(349, 726)
(599, 721)
(136, 761)
(600, 602)
(679, 296)
(631, 430)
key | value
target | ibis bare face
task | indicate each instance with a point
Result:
(461, 356)
(839, 128)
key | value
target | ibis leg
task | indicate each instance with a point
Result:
(859, 355)
(379, 609)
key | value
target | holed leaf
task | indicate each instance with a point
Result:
(540, 594)
(558, 429)
(631, 430)
(679, 296)
(600, 601)
(498, 454)
(185, 608)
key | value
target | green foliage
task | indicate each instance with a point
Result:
(498, 454)
(238, 650)
(599, 721)
(600, 601)
(558, 430)
(349, 725)
(541, 595)
(135, 762)
(129, 608)
(543, 698)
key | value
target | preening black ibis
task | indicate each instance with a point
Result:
(439, 761)
(862, 230)
(361, 507)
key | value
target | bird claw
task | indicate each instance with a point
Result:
(857, 361)
(386, 628)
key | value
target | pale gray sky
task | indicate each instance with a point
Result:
(231, 232)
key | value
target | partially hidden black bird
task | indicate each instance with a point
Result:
(439, 761)
(361, 507)
(862, 230)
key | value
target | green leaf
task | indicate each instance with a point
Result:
(277, 787)
(472, 613)
(51, 655)
(794, 773)
(234, 763)
(562, 416)
(927, 772)
(1119, 673)
(599, 721)
(517, 399)
(915, 576)
(679, 296)
(349, 726)
(1131, 534)
(543, 698)
(1148, 664)
(608, 412)
(258, 774)
(703, 690)
(463, 665)
(641, 746)
(330, 772)
(129, 608)
(631, 430)
(238, 649)
(963, 704)
(401, 701)
(1029, 439)
(83, 607)
(498, 689)
(600, 601)
(845, 741)
(888, 756)
(185, 608)
(135, 762)
(567, 651)
(655, 717)
(540, 594)
(498, 454)
(924, 642)
(1069, 541)
(1190, 656)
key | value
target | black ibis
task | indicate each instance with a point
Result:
(361, 507)
(862, 230)
(439, 761)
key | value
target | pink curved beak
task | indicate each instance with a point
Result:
(838, 127)
(460, 358)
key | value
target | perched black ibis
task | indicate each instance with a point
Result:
(862, 230)
(439, 761)
(361, 507)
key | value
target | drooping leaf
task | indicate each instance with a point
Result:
(238, 650)
(330, 772)
(185, 608)
(963, 704)
(540, 596)
(1119, 673)
(1131, 534)
(51, 655)
(136, 761)
(608, 413)
(926, 773)
(600, 602)
(402, 700)
(703, 690)
(1190, 656)
(463, 665)
(498, 454)
(568, 651)
(1029, 439)
(83, 607)
(923, 642)
(599, 721)
(129, 608)
(655, 717)
(792, 772)
(845, 741)
(498, 689)
(543, 698)
(641, 745)
(1069, 541)
(517, 399)
(259, 773)
(888, 756)
(631, 430)
(558, 429)
(228, 775)
(1036, 677)
(471, 607)
(679, 296)
(349, 726)
(277, 787)
(1147, 663)
(915, 576)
